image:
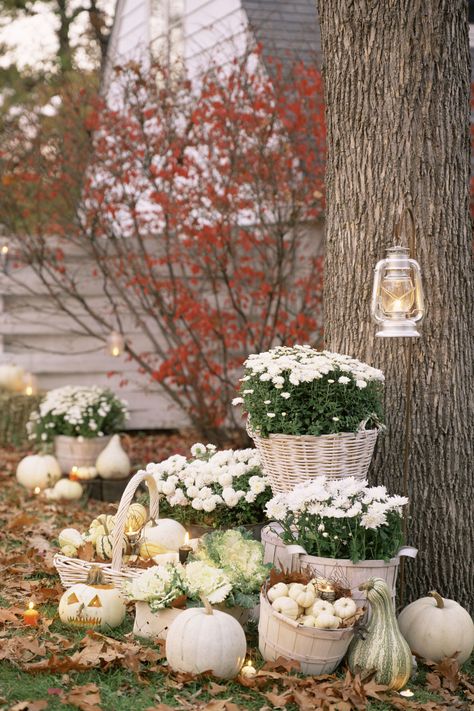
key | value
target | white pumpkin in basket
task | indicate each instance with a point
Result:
(70, 537)
(92, 604)
(137, 516)
(202, 639)
(345, 607)
(277, 590)
(326, 621)
(302, 594)
(321, 606)
(307, 621)
(287, 607)
(169, 535)
(38, 470)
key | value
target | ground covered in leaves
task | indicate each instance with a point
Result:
(51, 667)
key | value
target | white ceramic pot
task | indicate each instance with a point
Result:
(78, 451)
(153, 625)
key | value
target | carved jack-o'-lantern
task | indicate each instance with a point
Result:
(92, 604)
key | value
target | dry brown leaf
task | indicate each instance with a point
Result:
(86, 552)
(279, 701)
(86, 697)
(22, 520)
(10, 614)
(29, 706)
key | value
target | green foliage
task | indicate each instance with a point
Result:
(300, 391)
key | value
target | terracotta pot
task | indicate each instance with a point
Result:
(78, 451)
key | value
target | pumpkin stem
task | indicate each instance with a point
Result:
(438, 598)
(207, 605)
(95, 576)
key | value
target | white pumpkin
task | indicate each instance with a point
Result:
(287, 607)
(321, 606)
(277, 590)
(92, 604)
(70, 537)
(437, 627)
(345, 607)
(326, 621)
(202, 638)
(84, 473)
(38, 470)
(67, 490)
(113, 462)
(302, 594)
(12, 377)
(70, 551)
(166, 533)
(307, 621)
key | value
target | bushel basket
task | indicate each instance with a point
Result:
(288, 460)
(318, 651)
(74, 570)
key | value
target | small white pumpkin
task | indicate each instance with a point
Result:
(287, 607)
(12, 377)
(92, 604)
(113, 462)
(326, 621)
(303, 595)
(67, 490)
(345, 607)
(202, 638)
(307, 621)
(165, 532)
(277, 590)
(84, 473)
(321, 606)
(70, 551)
(38, 470)
(70, 537)
(437, 627)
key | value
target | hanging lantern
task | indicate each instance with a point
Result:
(397, 296)
(4, 250)
(30, 384)
(115, 344)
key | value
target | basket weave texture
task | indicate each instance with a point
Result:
(318, 651)
(288, 460)
(15, 411)
(74, 570)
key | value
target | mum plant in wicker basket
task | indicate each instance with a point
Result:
(311, 413)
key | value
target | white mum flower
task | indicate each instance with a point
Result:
(270, 414)
(361, 384)
(285, 395)
(237, 401)
(343, 380)
(198, 449)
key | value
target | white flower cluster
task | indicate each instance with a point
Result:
(211, 479)
(303, 364)
(80, 407)
(332, 499)
(161, 584)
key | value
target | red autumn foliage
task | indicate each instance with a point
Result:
(195, 206)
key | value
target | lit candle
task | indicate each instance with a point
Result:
(73, 474)
(248, 671)
(37, 490)
(185, 550)
(31, 384)
(115, 344)
(31, 616)
(407, 693)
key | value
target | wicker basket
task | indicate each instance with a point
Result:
(289, 460)
(74, 570)
(78, 451)
(317, 651)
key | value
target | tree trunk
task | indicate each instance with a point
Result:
(397, 82)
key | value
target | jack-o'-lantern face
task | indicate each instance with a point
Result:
(91, 606)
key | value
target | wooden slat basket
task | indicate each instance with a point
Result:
(318, 651)
(288, 460)
(74, 570)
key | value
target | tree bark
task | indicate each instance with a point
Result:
(397, 82)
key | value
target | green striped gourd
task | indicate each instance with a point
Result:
(383, 647)
(104, 544)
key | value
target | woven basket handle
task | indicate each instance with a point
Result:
(121, 515)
